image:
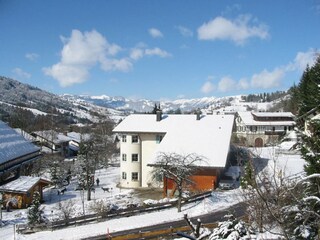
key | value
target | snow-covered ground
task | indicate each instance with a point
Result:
(290, 164)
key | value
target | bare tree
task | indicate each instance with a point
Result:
(67, 209)
(273, 199)
(100, 207)
(178, 168)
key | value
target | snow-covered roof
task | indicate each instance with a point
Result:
(62, 137)
(13, 145)
(208, 137)
(273, 114)
(78, 136)
(248, 119)
(22, 184)
(25, 134)
(53, 136)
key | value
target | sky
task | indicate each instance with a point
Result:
(158, 49)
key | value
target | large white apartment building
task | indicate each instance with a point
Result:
(143, 136)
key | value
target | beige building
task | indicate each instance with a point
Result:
(261, 128)
(144, 136)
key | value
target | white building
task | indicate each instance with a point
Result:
(144, 136)
(261, 128)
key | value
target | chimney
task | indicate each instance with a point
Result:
(159, 115)
(198, 113)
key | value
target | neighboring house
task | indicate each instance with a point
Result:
(57, 142)
(19, 193)
(304, 120)
(144, 136)
(261, 128)
(16, 153)
(66, 143)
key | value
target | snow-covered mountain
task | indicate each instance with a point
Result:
(73, 108)
(145, 105)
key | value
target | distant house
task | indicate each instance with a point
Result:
(66, 143)
(16, 153)
(20, 191)
(261, 128)
(144, 136)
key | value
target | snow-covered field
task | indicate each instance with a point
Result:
(288, 164)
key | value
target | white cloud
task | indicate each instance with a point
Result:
(80, 53)
(32, 56)
(238, 30)
(123, 64)
(67, 75)
(155, 33)
(243, 84)
(186, 32)
(20, 73)
(266, 79)
(158, 52)
(227, 84)
(207, 87)
(303, 59)
(136, 53)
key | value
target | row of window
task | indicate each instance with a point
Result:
(135, 138)
(260, 128)
(134, 157)
(134, 176)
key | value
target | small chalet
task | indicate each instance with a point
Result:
(261, 128)
(145, 136)
(19, 193)
(16, 153)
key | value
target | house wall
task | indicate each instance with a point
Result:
(148, 146)
(128, 148)
(144, 148)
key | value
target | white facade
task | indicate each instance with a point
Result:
(135, 172)
(142, 138)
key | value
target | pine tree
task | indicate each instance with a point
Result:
(54, 173)
(308, 94)
(34, 212)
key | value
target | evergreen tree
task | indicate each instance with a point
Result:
(232, 228)
(34, 212)
(54, 172)
(308, 94)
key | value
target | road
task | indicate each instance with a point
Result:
(237, 210)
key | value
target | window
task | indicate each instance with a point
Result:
(134, 157)
(124, 157)
(124, 175)
(159, 138)
(135, 139)
(134, 176)
(124, 138)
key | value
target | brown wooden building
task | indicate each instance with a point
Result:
(19, 193)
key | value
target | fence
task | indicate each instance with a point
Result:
(76, 221)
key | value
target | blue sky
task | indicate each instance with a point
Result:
(158, 49)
